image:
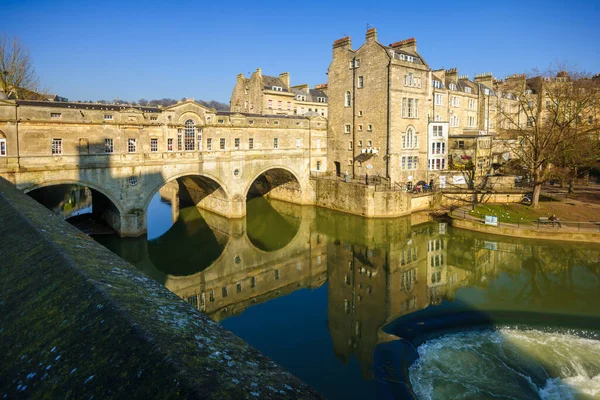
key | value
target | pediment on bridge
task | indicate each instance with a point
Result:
(190, 109)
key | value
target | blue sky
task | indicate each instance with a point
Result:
(90, 50)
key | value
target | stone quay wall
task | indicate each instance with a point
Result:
(78, 321)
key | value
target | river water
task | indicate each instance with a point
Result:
(363, 309)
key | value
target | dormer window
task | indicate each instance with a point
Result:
(437, 84)
(468, 90)
(321, 100)
(108, 117)
(277, 88)
(452, 86)
(301, 97)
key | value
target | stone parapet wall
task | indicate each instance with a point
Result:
(78, 321)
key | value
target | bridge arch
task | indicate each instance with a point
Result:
(203, 189)
(104, 191)
(279, 181)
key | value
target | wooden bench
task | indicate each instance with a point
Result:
(544, 221)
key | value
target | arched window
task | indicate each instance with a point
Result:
(190, 135)
(410, 139)
(348, 99)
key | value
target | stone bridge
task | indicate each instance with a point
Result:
(125, 155)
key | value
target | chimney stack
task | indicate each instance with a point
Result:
(285, 78)
(408, 45)
(371, 35)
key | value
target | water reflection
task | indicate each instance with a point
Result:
(65, 201)
(371, 281)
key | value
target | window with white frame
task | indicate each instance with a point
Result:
(222, 144)
(179, 139)
(454, 121)
(57, 146)
(321, 100)
(357, 63)
(437, 84)
(298, 143)
(472, 104)
(439, 99)
(153, 145)
(209, 144)
(236, 143)
(347, 128)
(452, 86)
(270, 103)
(370, 143)
(438, 148)
(170, 144)
(438, 130)
(468, 90)
(410, 108)
(279, 104)
(408, 79)
(277, 88)
(131, 145)
(318, 165)
(369, 128)
(455, 101)
(109, 146)
(301, 97)
(289, 105)
(251, 143)
(275, 143)
(190, 135)
(55, 115)
(108, 117)
(2, 147)
(471, 122)
(348, 99)
(410, 139)
(360, 82)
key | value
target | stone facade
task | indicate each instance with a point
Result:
(127, 154)
(265, 94)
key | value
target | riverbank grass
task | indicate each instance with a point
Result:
(509, 212)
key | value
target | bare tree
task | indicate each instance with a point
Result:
(541, 115)
(17, 74)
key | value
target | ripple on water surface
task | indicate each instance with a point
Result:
(508, 364)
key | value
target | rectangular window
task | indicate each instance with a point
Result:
(439, 99)
(347, 128)
(224, 291)
(131, 145)
(360, 143)
(209, 144)
(179, 139)
(251, 143)
(108, 117)
(276, 274)
(410, 164)
(275, 143)
(54, 115)
(56, 146)
(211, 295)
(221, 121)
(369, 143)
(270, 103)
(279, 104)
(222, 143)
(410, 108)
(318, 165)
(153, 118)
(360, 114)
(360, 82)
(461, 144)
(2, 147)
(236, 143)
(289, 105)
(253, 282)
(455, 101)
(109, 146)
(154, 145)
(360, 127)
(370, 128)
(403, 163)
(170, 144)
(350, 145)
(298, 143)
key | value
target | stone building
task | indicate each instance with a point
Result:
(263, 94)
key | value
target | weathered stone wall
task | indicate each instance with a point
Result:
(461, 199)
(360, 199)
(79, 322)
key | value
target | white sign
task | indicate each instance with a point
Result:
(491, 220)
(459, 180)
(443, 182)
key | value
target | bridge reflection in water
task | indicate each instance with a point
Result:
(373, 281)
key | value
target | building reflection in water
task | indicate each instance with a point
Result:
(377, 271)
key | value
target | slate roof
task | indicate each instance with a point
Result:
(86, 106)
(270, 81)
(311, 95)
